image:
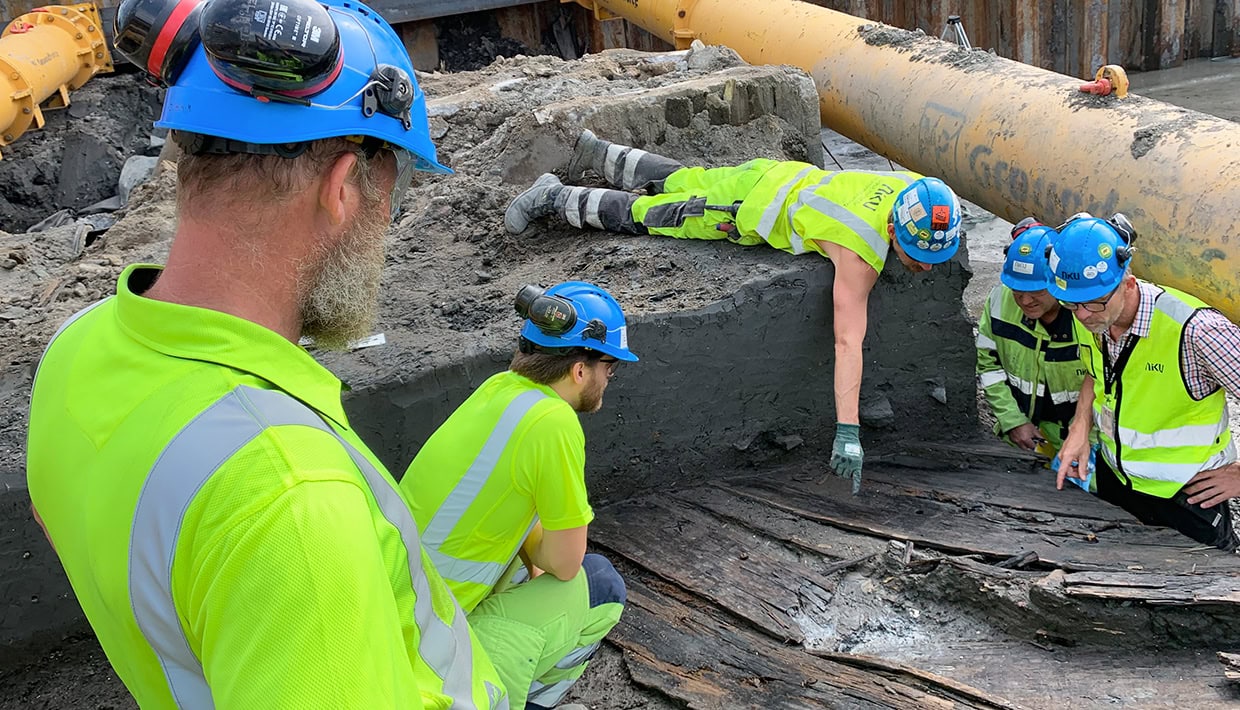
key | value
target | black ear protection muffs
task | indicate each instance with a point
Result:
(1127, 234)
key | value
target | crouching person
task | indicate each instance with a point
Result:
(499, 495)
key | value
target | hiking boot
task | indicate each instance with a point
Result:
(589, 153)
(537, 201)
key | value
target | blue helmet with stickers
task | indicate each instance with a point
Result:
(574, 314)
(1089, 258)
(926, 219)
(1024, 265)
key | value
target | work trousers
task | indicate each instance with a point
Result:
(699, 203)
(1209, 526)
(541, 634)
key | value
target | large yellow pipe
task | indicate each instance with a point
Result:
(43, 54)
(1013, 138)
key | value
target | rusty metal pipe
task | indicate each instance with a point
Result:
(1015, 139)
(44, 54)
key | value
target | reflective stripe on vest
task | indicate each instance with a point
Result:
(993, 377)
(467, 490)
(1027, 387)
(855, 223)
(771, 214)
(1177, 473)
(184, 467)
(1159, 435)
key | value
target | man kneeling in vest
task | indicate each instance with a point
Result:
(504, 478)
(1028, 364)
(1158, 362)
(850, 217)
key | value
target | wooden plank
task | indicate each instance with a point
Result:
(1017, 487)
(1125, 675)
(1226, 28)
(523, 24)
(754, 578)
(422, 43)
(1231, 664)
(697, 658)
(827, 542)
(1199, 29)
(1153, 588)
(1062, 541)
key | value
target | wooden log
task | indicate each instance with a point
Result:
(696, 657)
(955, 526)
(757, 580)
(1155, 589)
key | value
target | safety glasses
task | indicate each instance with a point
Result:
(1091, 306)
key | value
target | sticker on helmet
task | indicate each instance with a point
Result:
(953, 233)
(923, 244)
(917, 211)
(1053, 260)
(1101, 267)
(902, 214)
(1089, 272)
(1023, 267)
(624, 337)
(1105, 251)
(924, 234)
(939, 235)
(940, 216)
(911, 227)
(936, 246)
(1060, 282)
(1025, 249)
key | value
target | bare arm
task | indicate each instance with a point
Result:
(854, 279)
(1076, 447)
(559, 552)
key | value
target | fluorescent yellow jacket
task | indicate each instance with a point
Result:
(1028, 371)
(796, 204)
(232, 541)
(511, 455)
(1150, 428)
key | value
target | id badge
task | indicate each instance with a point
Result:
(1106, 421)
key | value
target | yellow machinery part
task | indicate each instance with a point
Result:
(44, 54)
(1016, 139)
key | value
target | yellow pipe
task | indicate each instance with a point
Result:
(1013, 138)
(44, 54)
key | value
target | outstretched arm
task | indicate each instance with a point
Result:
(854, 279)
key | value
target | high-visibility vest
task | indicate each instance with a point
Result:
(148, 422)
(1151, 430)
(473, 485)
(1020, 361)
(796, 204)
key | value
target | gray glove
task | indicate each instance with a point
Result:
(847, 454)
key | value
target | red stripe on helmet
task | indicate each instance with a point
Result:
(167, 33)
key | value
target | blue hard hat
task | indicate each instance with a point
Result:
(201, 102)
(1087, 261)
(1024, 266)
(599, 323)
(926, 218)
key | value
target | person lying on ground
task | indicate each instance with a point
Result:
(853, 218)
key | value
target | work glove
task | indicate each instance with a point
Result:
(847, 455)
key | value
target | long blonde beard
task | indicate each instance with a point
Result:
(342, 302)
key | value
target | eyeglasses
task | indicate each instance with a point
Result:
(1091, 306)
(611, 363)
